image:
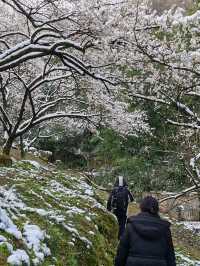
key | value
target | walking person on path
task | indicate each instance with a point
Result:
(118, 203)
(147, 240)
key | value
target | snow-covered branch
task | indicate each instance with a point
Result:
(184, 125)
(149, 98)
(182, 193)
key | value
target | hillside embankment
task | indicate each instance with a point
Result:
(52, 217)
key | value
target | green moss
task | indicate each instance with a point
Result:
(88, 245)
(23, 165)
(4, 250)
(72, 261)
(4, 253)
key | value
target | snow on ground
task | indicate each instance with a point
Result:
(7, 225)
(75, 233)
(185, 261)
(58, 199)
(193, 226)
(19, 257)
(34, 237)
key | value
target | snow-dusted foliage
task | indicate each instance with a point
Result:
(157, 56)
(58, 59)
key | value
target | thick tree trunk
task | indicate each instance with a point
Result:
(7, 146)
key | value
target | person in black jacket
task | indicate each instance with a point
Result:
(147, 239)
(118, 202)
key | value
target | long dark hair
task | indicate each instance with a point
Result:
(150, 204)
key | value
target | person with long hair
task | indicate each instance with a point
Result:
(147, 239)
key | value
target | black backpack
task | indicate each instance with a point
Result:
(119, 201)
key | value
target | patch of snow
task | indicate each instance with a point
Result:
(32, 149)
(76, 233)
(7, 225)
(8, 195)
(187, 261)
(2, 238)
(89, 192)
(99, 206)
(41, 212)
(33, 238)
(185, 20)
(193, 226)
(19, 257)
(96, 227)
(75, 210)
(71, 229)
(88, 218)
(58, 218)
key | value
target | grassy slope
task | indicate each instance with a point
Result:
(80, 230)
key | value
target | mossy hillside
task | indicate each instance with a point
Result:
(79, 230)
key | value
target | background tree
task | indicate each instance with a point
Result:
(164, 69)
(46, 67)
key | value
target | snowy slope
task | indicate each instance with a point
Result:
(49, 217)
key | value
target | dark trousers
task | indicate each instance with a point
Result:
(122, 224)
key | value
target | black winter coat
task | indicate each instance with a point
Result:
(146, 242)
(128, 198)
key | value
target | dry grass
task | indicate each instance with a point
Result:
(15, 153)
(133, 209)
